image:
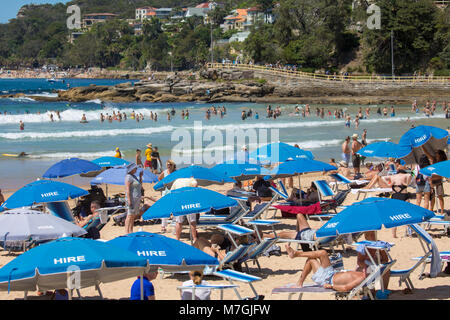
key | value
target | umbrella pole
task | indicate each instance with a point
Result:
(142, 286)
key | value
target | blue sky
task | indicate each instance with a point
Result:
(9, 8)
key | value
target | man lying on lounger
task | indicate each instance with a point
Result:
(324, 274)
(304, 233)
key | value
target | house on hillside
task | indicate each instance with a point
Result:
(235, 21)
(145, 13)
(207, 5)
(92, 18)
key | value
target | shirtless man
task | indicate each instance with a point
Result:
(344, 170)
(356, 159)
(346, 151)
(324, 274)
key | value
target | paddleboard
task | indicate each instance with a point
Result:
(19, 155)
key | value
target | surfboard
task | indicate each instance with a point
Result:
(14, 155)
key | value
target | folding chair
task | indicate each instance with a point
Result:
(235, 256)
(324, 191)
(233, 275)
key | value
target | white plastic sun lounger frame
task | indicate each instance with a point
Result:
(192, 288)
(232, 275)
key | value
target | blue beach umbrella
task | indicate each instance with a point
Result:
(116, 176)
(385, 149)
(164, 252)
(70, 167)
(296, 167)
(279, 152)
(42, 191)
(240, 171)
(204, 177)
(110, 162)
(188, 200)
(440, 169)
(372, 214)
(427, 137)
(49, 266)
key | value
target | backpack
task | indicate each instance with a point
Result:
(420, 180)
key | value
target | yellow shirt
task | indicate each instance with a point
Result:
(118, 154)
(148, 154)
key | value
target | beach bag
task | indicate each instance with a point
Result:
(420, 180)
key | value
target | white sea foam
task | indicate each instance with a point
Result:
(66, 155)
(83, 134)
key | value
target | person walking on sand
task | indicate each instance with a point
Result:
(133, 195)
(356, 159)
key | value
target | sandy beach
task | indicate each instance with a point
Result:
(276, 270)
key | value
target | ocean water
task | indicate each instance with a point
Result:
(47, 142)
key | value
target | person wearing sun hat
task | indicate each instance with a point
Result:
(148, 156)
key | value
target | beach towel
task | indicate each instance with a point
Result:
(311, 209)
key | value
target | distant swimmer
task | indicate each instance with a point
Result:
(83, 119)
(392, 111)
(22, 154)
(21, 125)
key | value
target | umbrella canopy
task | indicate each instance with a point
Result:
(116, 176)
(26, 224)
(164, 252)
(240, 171)
(70, 167)
(440, 169)
(204, 177)
(428, 137)
(110, 162)
(47, 267)
(279, 152)
(373, 213)
(385, 149)
(188, 200)
(42, 191)
(296, 167)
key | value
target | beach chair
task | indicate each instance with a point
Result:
(324, 191)
(209, 221)
(427, 245)
(188, 292)
(438, 220)
(361, 290)
(256, 251)
(233, 275)
(365, 192)
(339, 179)
(234, 256)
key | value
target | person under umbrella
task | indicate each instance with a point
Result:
(133, 192)
(436, 182)
(171, 167)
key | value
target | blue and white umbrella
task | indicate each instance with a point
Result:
(240, 171)
(70, 167)
(27, 224)
(204, 177)
(42, 191)
(188, 200)
(384, 149)
(279, 152)
(297, 167)
(440, 168)
(110, 162)
(372, 214)
(116, 176)
(164, 252)
(428, 137)
(50, 265)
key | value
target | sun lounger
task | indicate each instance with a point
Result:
(235, 256)
(438, 221)
(342, 180)
(365, 192)
(256, 251)
(232, 275)
(188, 292)
(363, 289)
(236, 214)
